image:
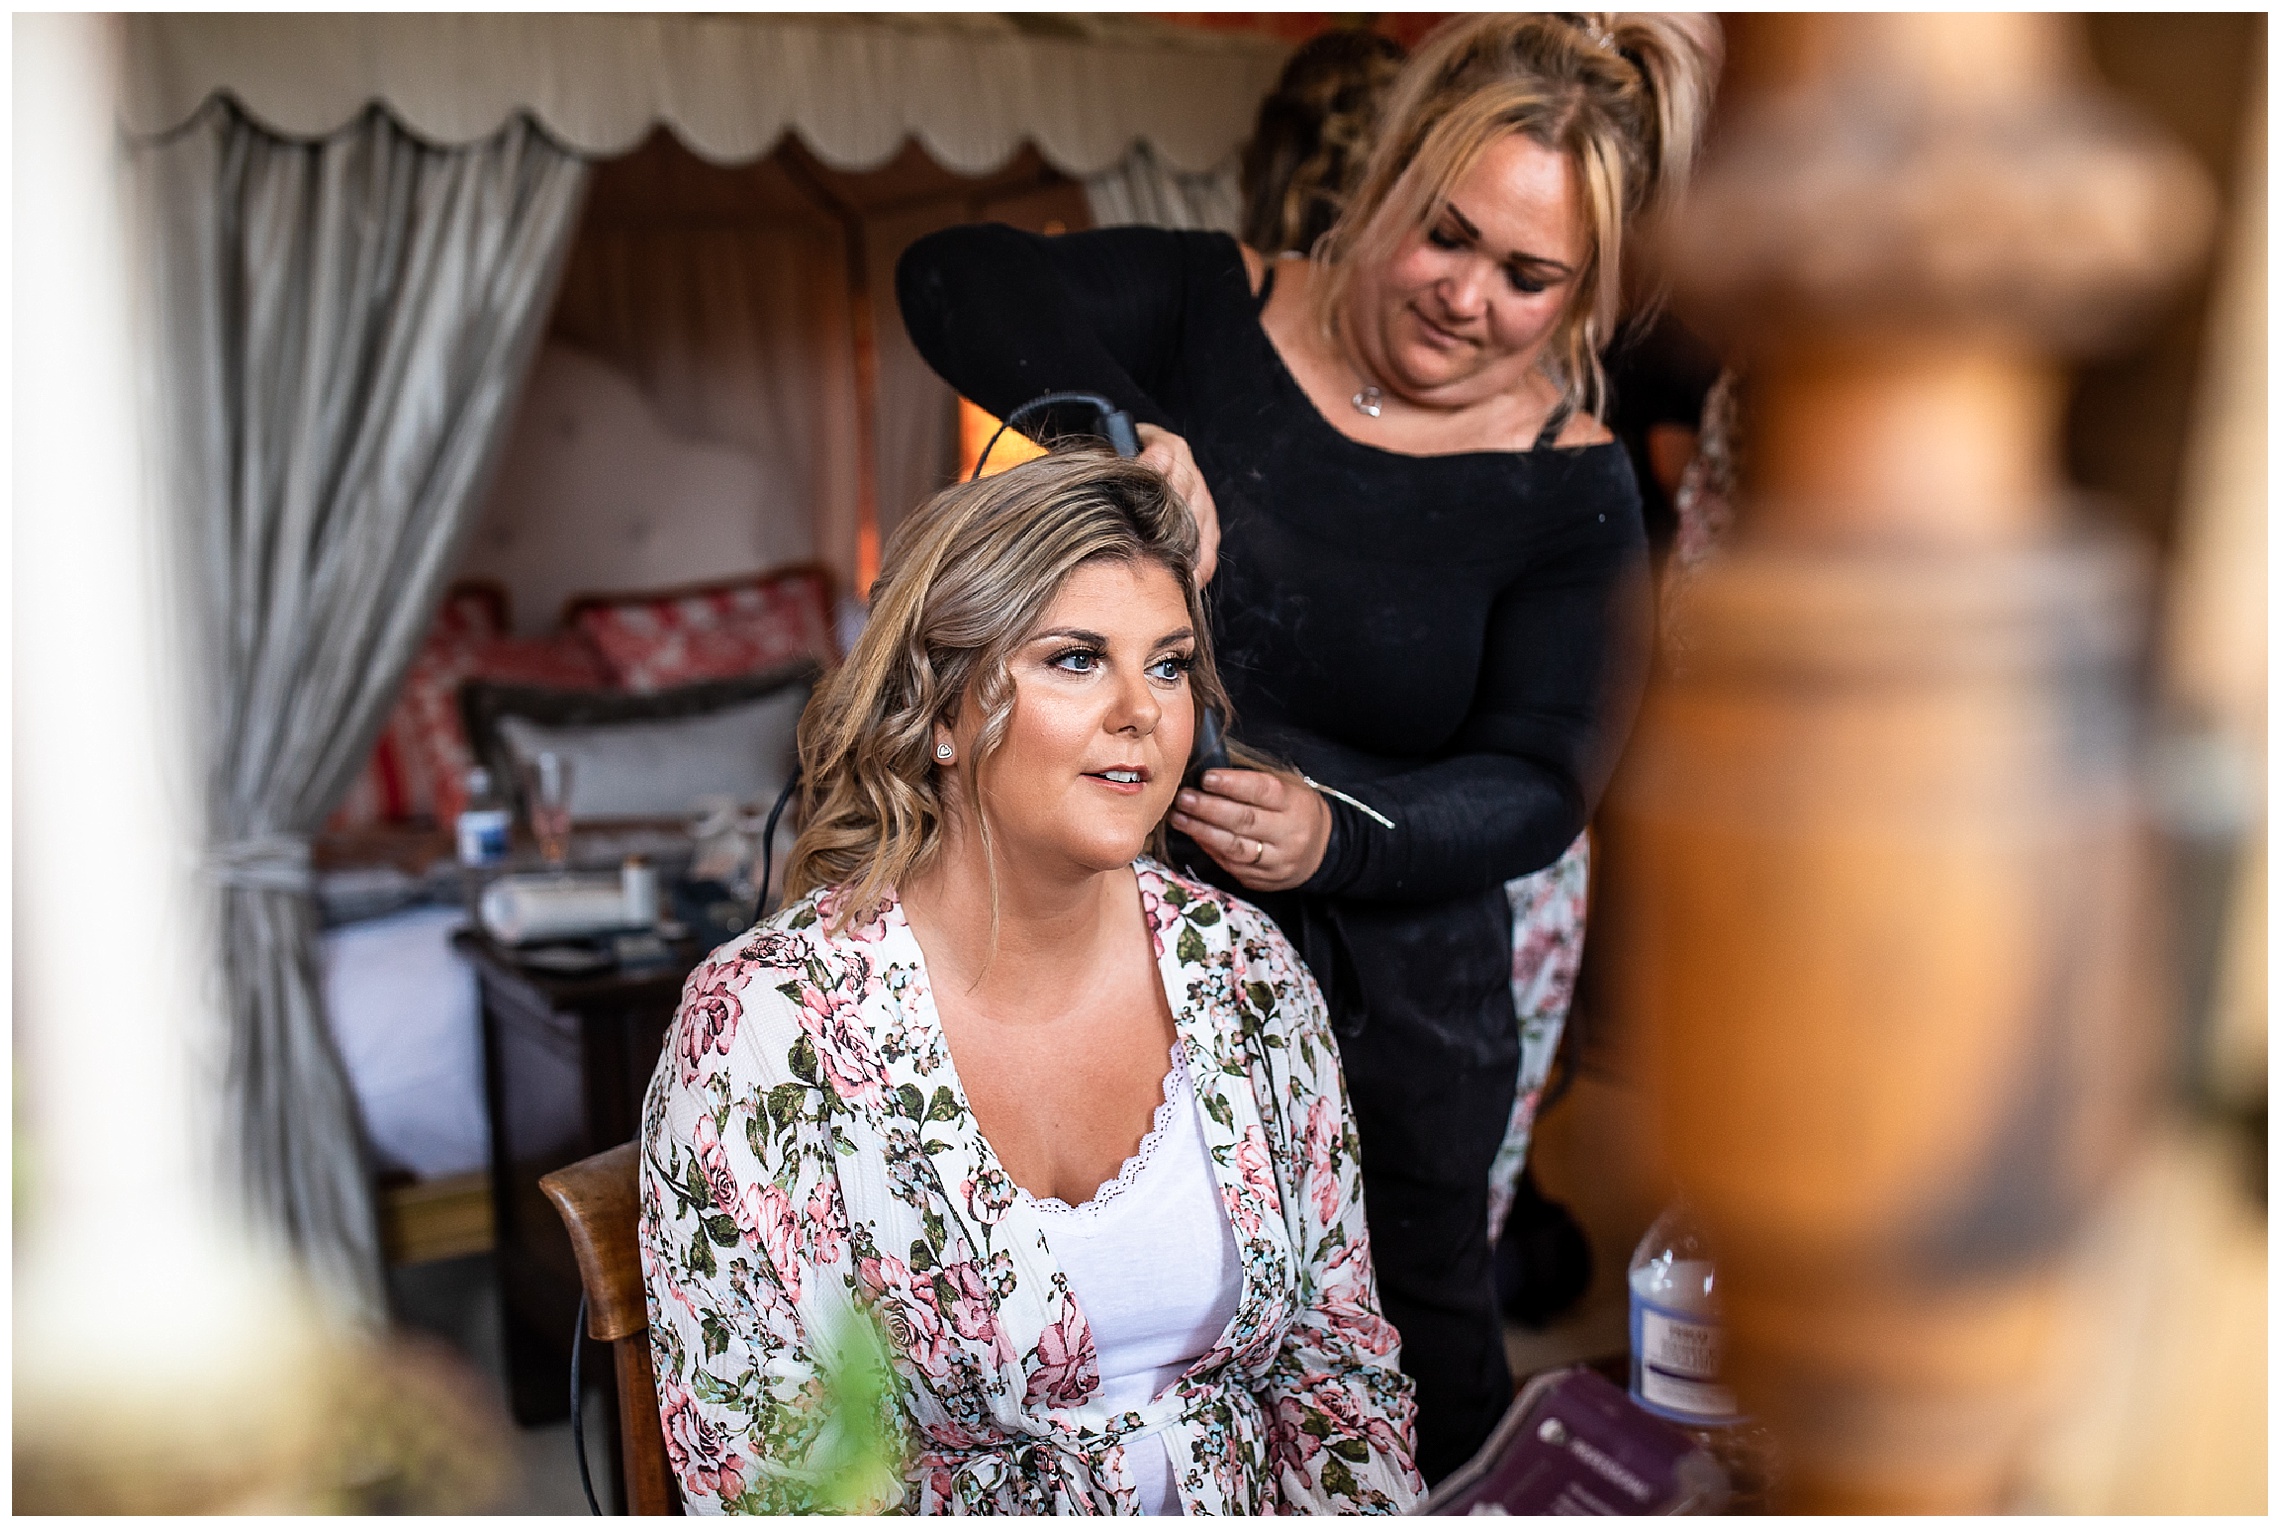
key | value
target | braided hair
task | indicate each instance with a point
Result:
(1312, 137)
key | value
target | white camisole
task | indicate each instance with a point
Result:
(1154, 1266)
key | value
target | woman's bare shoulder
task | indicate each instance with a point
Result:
(1583, 430)
(1254, 267)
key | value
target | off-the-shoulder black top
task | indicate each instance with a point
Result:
(1444, 637)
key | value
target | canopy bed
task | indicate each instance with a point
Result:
(560, 304)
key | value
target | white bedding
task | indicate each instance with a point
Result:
(402, 1005)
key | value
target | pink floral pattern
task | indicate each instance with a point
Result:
(835, 1030)
(768, 1214)
(1068, 1366)
(913, 1319)
(696, 1448)
(1547, 952)
(708, 1021)
(806, 1144)
(1323, 1135)
(826, 1224)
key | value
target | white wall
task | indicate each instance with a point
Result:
(595, 494)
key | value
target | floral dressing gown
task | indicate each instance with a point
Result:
(807, 1147)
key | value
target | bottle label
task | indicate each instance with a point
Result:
(483, 837)
(1676, 1360)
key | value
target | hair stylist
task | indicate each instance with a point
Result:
(1430, 588)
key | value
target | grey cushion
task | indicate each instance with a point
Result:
(647, 755)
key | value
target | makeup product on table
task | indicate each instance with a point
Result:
(1573, 1445)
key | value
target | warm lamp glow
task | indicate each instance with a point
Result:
(975, 427)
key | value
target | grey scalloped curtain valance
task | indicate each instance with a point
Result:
(970, 88)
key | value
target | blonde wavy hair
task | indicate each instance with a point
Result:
(1625, 96)
(963, 583)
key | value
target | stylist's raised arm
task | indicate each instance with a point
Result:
(1011, 316)
(1430, 604)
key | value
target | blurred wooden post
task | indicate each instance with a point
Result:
(1879, 906)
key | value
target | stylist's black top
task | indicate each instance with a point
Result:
(1456, 640)
(1449, 638)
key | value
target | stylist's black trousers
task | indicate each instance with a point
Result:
(1421, 999)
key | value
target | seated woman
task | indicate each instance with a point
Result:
(1070, 1125)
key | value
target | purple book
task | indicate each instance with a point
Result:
(1574, 1445)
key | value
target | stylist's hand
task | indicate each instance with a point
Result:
(1169, 454)
(1268, 830)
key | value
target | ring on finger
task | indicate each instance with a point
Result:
(1258, 851)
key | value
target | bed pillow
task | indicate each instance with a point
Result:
(562, 660)
(716, 631)
(649, 755)
(397, 782)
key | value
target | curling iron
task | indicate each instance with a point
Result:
(1210, 750)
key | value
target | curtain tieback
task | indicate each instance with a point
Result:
(272, 862)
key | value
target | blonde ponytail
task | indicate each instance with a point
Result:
(1625, 95)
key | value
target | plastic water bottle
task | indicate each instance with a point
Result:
(483, 823)
(1677, 1343)
(1678, 1349)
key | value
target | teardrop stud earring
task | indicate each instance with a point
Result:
(943, 751)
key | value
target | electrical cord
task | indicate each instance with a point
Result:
(1123, 435)
(578, 1407)
(768, 843)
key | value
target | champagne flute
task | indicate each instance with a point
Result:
(546, 789)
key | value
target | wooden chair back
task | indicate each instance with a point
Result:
(600, 1201)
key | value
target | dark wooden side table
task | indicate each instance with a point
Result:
(566, 1060)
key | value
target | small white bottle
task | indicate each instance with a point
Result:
(638, 880)
(1678, 1350)
(483, 823)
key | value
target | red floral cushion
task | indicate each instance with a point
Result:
(563, 661)
(393, 786)
(366, 805)
(419, 767)
(724, 632)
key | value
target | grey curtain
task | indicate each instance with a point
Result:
(344, 326)
(1143, 188)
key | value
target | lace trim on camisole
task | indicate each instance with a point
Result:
(1179, 1092)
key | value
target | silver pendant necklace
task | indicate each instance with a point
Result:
(1370, 400)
